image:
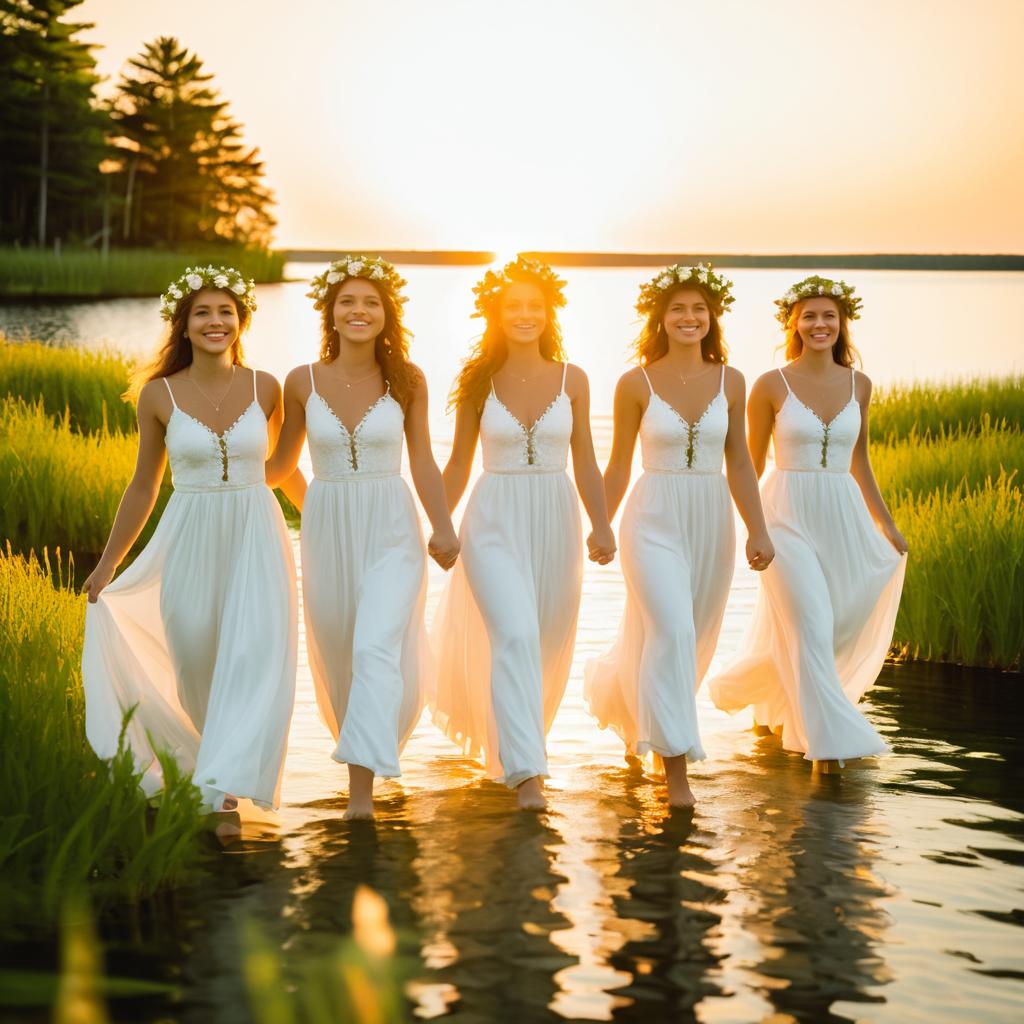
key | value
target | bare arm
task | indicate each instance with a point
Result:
(860, 469)
(142, 490)
(444, 544)
(629, 411)
(760, 420)
(739, 470)
(269, 394)
(290, 434)
(460, 462)
(601, 542)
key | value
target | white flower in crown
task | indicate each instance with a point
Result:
(837, 289)
(239, 287)
(355, 267)
(220, 281)
(194, 281)
(174, 291)
(377, 273)
(666, 279)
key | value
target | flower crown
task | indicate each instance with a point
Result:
(373, 268)
(720, 288)
(195, 278)
(522, 268)
(810, 288)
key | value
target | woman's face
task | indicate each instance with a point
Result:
(359, 315)
(522, 313)
(212, 323)
(817, 323)
(687, 317)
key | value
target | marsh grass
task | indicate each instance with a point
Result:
(963, 599)
(84, 383)
(85, 273)
(69, 818)
(904, 410)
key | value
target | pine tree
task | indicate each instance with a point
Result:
(188, 176)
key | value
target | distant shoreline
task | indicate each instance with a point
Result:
(792, 261)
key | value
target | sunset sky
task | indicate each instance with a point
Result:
(657, 125)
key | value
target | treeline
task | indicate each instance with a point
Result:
(160, 163)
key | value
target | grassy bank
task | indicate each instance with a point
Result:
(68, 818)
(76, 273)
(85, 383)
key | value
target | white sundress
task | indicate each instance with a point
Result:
(677, 544)
(827, 604)
(199, 632)
(363, 584)
(505, 628)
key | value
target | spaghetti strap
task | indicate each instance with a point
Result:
(721, 384)
(493, 392)
(255, 397)
(853, 383)
(565, 369)
(170, 392)
(786, 382)
(312, 382)
(650, 386)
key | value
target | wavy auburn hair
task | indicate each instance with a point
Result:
(490, 350)
(390, 347)
(652, 342)
(843, 351)
(175, 351)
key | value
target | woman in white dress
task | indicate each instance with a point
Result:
(198, 634)
(363, 562)
(505, 629)
(827, 605)
(677, 538)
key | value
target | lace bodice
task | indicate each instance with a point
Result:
(203, 460)
(803, 441)
(372, 449)
(668, 444)
(510, 447)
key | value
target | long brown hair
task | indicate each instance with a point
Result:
(652, 342)
(843, 351)
(175, 351)
(390, 347)
(490, 351)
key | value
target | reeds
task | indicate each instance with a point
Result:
(84, 383)
(67, 817)
(86, 272)
(923, 408)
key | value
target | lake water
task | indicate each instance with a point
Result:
(893, 893)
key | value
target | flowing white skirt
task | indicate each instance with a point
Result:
(677, 544)
(505, 628)
(363, 591)
(824, 618)
(199, 634)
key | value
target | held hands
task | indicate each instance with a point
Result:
(895, 538)
(97, 581)
(443, 548)
(760, 552)
(601, 545)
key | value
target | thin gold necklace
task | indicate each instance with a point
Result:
(216, 405)
(524, 380)
(352, 384)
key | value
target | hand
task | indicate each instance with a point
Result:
(443, 548)
(895, 538)
(601, 545)
(760, 552)
(97, 582)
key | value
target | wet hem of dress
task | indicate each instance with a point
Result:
(386, 774)
(643, 748)
(520, 777)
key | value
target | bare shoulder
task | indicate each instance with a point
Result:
(155, 400)
(417, 378)
(633, 384)
(297, 383)
(862, 386)
(769, 385)
(734, 380)
(575, 379)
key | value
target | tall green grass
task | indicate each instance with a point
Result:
(66, 817)
(918, 466)
(963, 598)
(923, 408)
(84, 383)
(61, 488)
(85, 273)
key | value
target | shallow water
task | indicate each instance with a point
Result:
(892, 893)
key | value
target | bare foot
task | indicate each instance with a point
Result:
(360, 794)
(531, 795)
(762, 730)
(230, 803)
(634, 763)
(827, 767)
(679, 792)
